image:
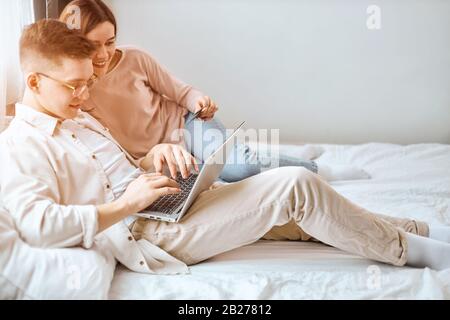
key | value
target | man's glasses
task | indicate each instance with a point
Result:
(77, 91)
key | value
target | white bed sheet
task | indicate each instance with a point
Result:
(410, 181)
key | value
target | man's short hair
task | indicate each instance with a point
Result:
(49, 41)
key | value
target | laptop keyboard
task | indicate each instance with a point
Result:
(169, 203)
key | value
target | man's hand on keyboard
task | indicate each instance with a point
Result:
(146, 189)
(174, 156)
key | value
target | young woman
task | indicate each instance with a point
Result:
(145, 108)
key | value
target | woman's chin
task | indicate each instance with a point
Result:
(100, 72)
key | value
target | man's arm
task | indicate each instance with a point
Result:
(139, 194)
(30, 192)
(111, 213)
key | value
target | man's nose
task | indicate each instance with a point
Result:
(85, 94)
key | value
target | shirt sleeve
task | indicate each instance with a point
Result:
(29, 190)
(161, 80)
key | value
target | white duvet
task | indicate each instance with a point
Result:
(411, 181)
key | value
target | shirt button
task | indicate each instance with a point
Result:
(141, 263)
(94, 157)
(108, 186)
(130, 238)
(74, 136)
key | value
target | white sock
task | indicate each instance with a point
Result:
(425, 252)
(341, 172)
(441, 233)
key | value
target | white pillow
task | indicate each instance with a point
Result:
(34, 273)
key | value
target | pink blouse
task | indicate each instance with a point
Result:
(141, 103)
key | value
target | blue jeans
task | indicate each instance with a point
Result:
(247, 162)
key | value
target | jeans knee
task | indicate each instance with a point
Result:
(234, 173)
(238, 172)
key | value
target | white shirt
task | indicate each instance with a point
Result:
(51, 183)
(118, 169)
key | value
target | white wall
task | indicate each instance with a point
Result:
(13, 16)
(311, 68)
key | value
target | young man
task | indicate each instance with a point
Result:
(68, 183)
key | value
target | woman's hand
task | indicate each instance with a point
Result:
(208, 107)
(173, 156)
(145, 190)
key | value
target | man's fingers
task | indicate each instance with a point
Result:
(162, 182)
(172, 163)
(158, 163)
(182, 164)
(166, 190)
(152, 175)
(190, 159)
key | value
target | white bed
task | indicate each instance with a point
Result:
(409, 181)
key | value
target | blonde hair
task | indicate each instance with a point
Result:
(52, 40)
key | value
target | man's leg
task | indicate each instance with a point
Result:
(292, 231)
(241, 213)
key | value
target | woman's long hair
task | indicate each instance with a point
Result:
(91, 14)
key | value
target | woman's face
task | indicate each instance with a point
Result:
(104, 37)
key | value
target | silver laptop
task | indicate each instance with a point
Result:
(171, 208)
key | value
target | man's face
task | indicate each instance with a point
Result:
(57, 99)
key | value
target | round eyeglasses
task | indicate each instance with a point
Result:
(77, 91)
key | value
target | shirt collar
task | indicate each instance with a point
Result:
(37, 119)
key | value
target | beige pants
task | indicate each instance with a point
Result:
(289, 203)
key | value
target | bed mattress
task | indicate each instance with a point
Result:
(406, 181)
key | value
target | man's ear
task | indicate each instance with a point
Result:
(32, 81)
